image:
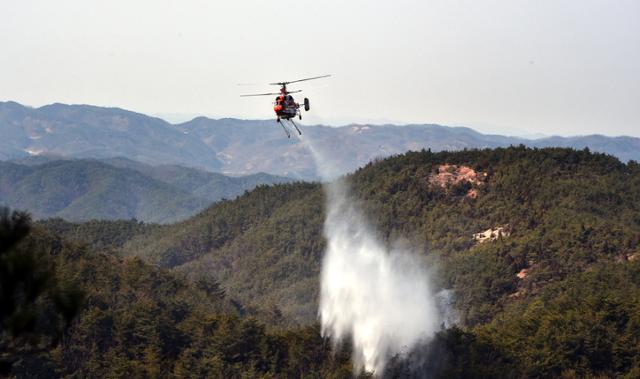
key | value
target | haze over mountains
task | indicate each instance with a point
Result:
(241, 147)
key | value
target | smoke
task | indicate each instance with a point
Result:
(378, 297)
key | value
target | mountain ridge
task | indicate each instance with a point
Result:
(240, 147)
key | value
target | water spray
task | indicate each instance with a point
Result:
(378, 297)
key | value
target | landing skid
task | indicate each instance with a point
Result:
(284, 128)
(295, 126)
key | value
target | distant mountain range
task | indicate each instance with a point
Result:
(116, 188)
(241, 147)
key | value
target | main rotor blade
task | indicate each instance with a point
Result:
(270, 94)
(299, 80)
(260, 94)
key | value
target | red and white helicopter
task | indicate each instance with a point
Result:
(285, 106)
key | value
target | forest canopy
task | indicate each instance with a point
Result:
(232, 292)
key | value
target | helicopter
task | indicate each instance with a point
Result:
(285, 106)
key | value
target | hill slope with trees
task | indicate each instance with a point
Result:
(83, 313)
(117, 188)
(540, 249)
(563, 209)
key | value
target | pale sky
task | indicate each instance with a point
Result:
(543, 66)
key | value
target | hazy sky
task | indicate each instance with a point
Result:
(552, 67)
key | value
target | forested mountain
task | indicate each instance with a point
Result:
(557, 193)
(242, 147)
(203, 184)
(540, 249)
(116, 188)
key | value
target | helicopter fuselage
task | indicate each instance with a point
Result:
(286, 107)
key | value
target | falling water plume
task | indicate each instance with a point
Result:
(378, 297)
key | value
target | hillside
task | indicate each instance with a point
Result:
(80, 190)
(203, 184)
(242, 147)
(541, 254)
(564, 210)
(70, 311)
(562, 233)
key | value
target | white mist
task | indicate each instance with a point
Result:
(379, 298)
